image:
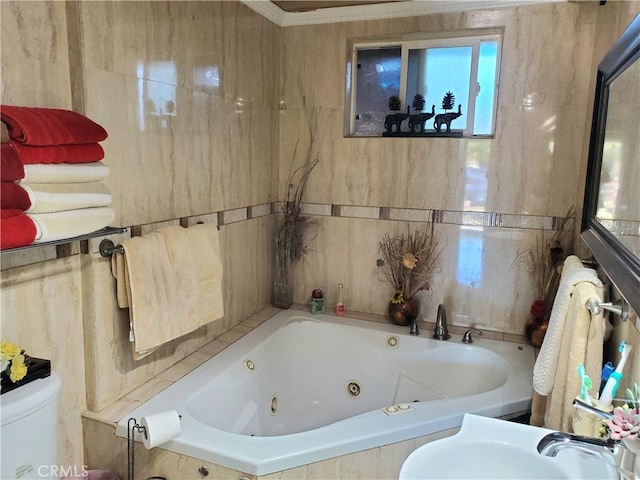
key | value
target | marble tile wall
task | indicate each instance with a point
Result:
(187, 92)
(39, 50)
(611, 23)
(477, 280)
(51, 329)
(530, 172)
(530, 165)
(34, 47)
(190, 106)
(243, 246)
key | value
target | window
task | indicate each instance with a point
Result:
(453, 75)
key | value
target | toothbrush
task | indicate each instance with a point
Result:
(606, 372)
(611, 387)
(586, 385)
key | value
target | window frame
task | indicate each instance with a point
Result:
(472, 38)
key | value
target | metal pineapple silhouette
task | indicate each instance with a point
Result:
(448, 101)
(395, 104)
(418, 102)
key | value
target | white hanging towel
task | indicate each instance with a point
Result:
(172, 282)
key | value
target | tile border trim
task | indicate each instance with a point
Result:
(448, 217)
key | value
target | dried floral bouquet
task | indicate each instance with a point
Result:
(409, 262)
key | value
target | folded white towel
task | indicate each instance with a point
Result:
(544, 370)
(65, 172)
(70, 223)
(57, 197)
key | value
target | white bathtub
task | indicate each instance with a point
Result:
(302, 388)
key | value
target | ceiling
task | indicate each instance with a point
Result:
(286, 13)
(293, 6)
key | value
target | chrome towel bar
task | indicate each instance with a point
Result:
(618, 307)
(107, 248)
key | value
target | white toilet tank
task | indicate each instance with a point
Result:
(30, 429)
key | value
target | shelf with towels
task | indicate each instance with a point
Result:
(98, 233)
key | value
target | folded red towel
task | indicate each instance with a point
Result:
(4, 133)
(49, 126)
(11, 168)
(16, 229)
(85, 153)
(13, 196)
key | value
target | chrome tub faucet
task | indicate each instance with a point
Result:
(466, 338)
(441, 332)
(414, 327)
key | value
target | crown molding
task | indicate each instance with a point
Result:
(408, 8)
(268, 10)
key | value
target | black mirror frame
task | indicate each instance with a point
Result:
(618, 262)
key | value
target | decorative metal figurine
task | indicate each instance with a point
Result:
(395, 104)
(448, 101)
(446, 119)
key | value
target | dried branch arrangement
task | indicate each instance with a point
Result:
(543, 259)
(292, 227)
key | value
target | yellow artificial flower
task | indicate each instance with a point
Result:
(397, 297)
(9, 350)
(18, 368)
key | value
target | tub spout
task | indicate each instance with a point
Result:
(441, 332)
(414, 327)
(466, 338)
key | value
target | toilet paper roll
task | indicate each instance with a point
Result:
(161, 427)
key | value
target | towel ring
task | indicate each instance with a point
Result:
(107, 248)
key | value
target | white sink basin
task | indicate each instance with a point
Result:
(487, 448)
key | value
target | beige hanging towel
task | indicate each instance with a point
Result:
(574, 337)
(171, 281)
(582, 343)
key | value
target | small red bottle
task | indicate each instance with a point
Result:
(340, 303)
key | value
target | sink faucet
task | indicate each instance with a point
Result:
(441, 332)
(605, 450)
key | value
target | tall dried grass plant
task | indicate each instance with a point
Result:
(293, 228)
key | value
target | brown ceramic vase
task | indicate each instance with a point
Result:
(403, 313)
